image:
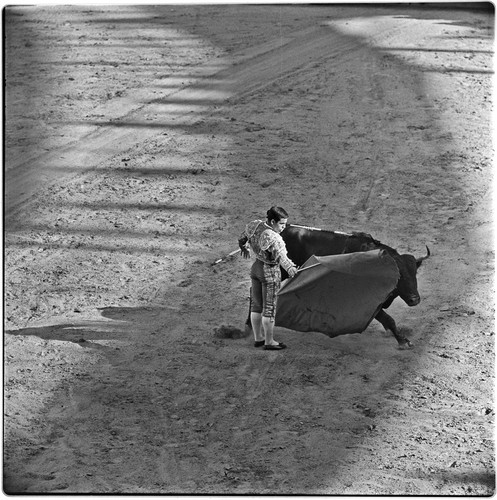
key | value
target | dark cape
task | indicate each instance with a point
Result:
(337, 294)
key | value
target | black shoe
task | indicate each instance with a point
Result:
(276, 347)
(259, 343)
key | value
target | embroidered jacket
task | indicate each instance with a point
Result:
(267, 244)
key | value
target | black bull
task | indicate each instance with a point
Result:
(303, 242)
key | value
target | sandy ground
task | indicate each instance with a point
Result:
(139, 140)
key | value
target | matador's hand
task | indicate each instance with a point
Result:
(245, 253)
(292, 272)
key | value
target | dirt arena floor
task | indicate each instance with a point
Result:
(139, 140)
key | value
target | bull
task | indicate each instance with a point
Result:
(302, 242)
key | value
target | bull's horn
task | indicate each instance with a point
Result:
(421, 259)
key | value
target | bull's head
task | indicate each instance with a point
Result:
(407, 285)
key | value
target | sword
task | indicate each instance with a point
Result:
(226, 257)
(308, 267)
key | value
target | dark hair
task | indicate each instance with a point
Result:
(276, 213)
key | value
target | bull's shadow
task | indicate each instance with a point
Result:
(84, 333)
(131, 314)
(88, 333)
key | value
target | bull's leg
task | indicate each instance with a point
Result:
(248, 323)
(389, 325)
